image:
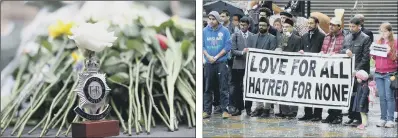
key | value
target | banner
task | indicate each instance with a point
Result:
(311, 79)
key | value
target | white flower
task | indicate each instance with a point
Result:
(94, 37)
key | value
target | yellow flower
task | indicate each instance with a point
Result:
(76, 57)
(60, 28)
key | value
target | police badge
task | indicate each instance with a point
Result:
(92, 90)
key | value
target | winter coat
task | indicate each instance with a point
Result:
(361, 98)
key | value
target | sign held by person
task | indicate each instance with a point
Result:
(311, 79)
(379, 50)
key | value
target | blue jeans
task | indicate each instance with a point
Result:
(387, 101)
(212, 72)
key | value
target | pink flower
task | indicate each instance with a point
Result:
(162, 41)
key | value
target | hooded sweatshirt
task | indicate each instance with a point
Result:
(215, 40)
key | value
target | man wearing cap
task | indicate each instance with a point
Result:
(216, 44)
(267, 41)
(312, 42)
(300, 24)
(290, 43)
(332, 44)
(363, 29)
(357, 43)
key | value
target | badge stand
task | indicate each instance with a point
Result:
(93, 90)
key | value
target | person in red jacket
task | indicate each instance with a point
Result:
(385, 68)
(332, 44)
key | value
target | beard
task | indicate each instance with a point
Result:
(263, 31)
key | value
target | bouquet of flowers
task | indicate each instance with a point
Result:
(149, 62)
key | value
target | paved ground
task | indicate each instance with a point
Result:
(158, 131)
(244, 126)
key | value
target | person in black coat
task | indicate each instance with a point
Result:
(312, 42)
(363, 29)
(361, 104)
(266, 13)
(289, 41)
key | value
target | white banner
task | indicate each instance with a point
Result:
(311, 79)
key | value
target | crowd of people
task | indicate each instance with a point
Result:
(226, 43)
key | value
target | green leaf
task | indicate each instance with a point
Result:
(46, 45)
(146, 33)
(137, 45)
(164, 25)
(185, 45)
(119, 77)
(111, 61)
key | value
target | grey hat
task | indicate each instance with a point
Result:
(216, 15)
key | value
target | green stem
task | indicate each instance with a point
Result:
(118, 115)
(16, 85)
(162, 81)
(154, 124)
(153, 101)
(137, 107)
(188, 116)
(164, 110)
(189, 76)
(70, 126)
(71, 98)
(8, 122)
(136, 90)
(130, 98)
(179, 108)
(34, 110)
(193, 117)
(55, 101)
(143, 108)
(41, 122)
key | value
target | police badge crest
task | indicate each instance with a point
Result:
(92, 90)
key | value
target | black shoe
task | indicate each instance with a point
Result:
(396, 119)
(337, 121)
(232, 110)
(237, 112)
(326, 121)
(356, 123)
(316, 119)
(305, 118)
(257, 112)
(265, 114)
(217, 110)
(349, 122)
(248, 111)
(291, 115)
(280, 115)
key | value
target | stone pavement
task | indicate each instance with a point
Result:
(244, 126)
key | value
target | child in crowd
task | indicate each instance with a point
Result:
(361, 103)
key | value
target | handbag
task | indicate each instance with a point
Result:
(394, 81)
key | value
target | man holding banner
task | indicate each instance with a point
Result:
(290, 43)
(332, 44)
(262, 40)
(357, 43)
(312, 42)
(240, 42)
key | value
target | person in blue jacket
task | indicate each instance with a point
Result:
(216, 45)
